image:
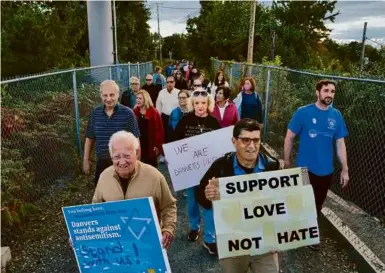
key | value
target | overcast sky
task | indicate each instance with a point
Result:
(347, 27)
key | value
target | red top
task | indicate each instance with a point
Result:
(230, 117)
(155, 130)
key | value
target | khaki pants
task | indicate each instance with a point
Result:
(266, 263)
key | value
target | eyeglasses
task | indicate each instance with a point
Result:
(148, 80)
(200, 93)
(246, 140)
(170, 82)
(125, 156)
(134, 83)
(197, 85)
(182, 98)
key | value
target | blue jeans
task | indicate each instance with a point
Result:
(194, 217)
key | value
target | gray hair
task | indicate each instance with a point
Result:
(109, 83)
(123, 136)
(134, 78)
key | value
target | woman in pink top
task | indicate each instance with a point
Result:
(225, 110)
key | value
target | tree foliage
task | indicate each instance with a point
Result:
(177, 44)
(294, 30)
(135, 43)
(40, 36)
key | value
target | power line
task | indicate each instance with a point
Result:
(374, 41)
(180, 8)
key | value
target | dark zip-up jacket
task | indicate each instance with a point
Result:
(223, 167)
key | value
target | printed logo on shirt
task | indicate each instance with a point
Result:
(314, 121)
(331, 123)
(312, 133)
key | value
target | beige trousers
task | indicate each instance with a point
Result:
(266, 263)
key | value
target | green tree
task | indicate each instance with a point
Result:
(39, 36)
(221, 30)
(177, 44)
(135, 42)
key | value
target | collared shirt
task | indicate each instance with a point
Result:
(167, 101)
(146, 181)
(101, 126)
(238, 170)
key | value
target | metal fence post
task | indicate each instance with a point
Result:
(129, 70)
(139, 74)
(77, 118)
(266, 106)
(138, 70)
(110, 72)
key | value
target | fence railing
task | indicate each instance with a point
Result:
(361, 102)
(42, 130)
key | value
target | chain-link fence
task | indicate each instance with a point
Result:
(361, 102)
(43, 120)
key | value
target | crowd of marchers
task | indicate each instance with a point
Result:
(129, 130)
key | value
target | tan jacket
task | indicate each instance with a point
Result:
(145, 182)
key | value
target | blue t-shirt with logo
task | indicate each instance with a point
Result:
(317, 129)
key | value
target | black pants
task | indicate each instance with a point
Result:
(167, 136)
(321, 185)
(101, 165)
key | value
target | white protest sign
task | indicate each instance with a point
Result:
(262, 212)
(189, 159)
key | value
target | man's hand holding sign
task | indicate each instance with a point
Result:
(260, 213)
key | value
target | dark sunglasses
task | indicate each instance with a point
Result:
(197, 85)
(246, 140)
(200, 93)
(170, 82)
(148, 80)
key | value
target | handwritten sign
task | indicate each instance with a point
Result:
(117, 237)
(263, 212)
(189, 159)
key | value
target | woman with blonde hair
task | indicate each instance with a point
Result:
(248, 101)
(151, 128)
(199, 121)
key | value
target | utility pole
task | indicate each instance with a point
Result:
(115, 35)
(273, 45)
(251, 34)
(363, 47)
(160, 42)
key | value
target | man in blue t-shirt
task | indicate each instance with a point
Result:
(319, 126)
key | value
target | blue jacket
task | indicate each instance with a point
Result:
(156, 79)
(175, 116)
(128, 99)
(238, 102)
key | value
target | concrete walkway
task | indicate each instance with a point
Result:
(42, 245)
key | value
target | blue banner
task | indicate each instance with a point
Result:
(117, 237)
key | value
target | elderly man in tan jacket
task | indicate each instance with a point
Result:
(129, 178)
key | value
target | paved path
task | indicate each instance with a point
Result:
(42, 245)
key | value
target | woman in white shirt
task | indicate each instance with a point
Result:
(218, 81)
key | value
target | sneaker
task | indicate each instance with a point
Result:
(314, 247)
(193, 235)
(211, 248)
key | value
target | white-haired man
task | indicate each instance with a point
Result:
(129, 97)
(129, 178)
(103, 121)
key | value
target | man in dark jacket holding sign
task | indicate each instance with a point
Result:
(246, 160)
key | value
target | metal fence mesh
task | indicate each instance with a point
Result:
(361, 102)
(43, 121)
